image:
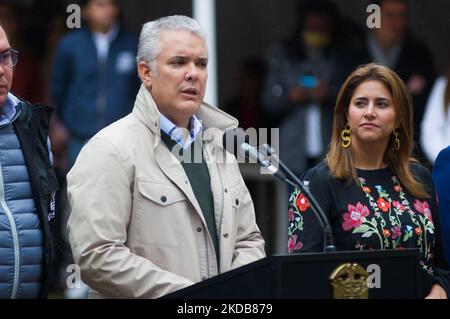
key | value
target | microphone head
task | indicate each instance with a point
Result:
(267, 149)
(233, 139)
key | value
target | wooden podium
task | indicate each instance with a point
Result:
(307, 276)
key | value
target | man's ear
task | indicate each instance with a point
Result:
(146, 74)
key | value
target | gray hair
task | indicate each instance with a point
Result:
(151, 31)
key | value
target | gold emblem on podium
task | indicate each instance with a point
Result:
(349, 281)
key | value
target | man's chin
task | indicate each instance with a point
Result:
(190, 107)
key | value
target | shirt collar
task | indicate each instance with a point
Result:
(9, 111)
(110, 35)
(176, 133)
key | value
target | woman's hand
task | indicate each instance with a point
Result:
(437, 292)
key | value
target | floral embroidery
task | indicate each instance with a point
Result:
(408, 233)
(423, 208)
(383, 205)
(291, 215)
(366, 189)
(386, 221)
(399, 206)
(427, 268)
(396, 233)
(302, 203)
(354, 217)
(299, 205)
(418, 231)
(293, 245)
(393, 237)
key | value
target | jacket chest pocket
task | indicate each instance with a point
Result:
(233, 198)
(162, 212)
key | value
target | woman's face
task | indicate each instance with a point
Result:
(371, 114)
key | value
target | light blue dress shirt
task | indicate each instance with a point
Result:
(176, 133)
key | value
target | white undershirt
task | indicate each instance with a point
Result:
(103, 41)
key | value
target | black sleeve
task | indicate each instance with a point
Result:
(305, 233)
(440, 266)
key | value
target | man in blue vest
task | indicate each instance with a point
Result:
(27, 188)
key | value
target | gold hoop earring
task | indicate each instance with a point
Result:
(396, 139)
(346, 138)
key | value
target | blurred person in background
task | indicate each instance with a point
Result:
(435, 131)
(93, 84)
(304, 73)
(94, 81)
(392, 45)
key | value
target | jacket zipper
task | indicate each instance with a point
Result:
(14, 235)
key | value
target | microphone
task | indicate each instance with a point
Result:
(251, 153)
(321, 216)
(236, 142)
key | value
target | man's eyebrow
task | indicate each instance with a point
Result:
(177, 57)
(184, 57)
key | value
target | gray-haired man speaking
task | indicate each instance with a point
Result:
(145, 223)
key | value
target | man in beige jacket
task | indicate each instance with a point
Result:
(144, 221)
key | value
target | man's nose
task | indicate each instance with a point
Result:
(192, 72)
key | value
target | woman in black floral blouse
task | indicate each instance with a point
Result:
(374, 193)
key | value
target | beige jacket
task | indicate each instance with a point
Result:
(136, 229)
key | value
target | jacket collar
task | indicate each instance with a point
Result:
(10, 110)
(214, 121)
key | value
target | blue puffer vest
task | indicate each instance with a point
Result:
(21, 236)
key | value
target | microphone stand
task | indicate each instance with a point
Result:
(323, 219)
